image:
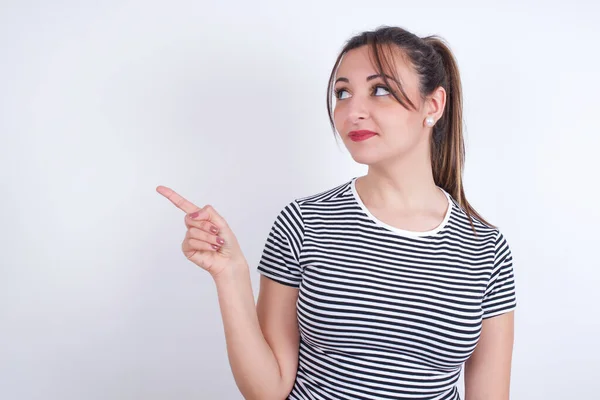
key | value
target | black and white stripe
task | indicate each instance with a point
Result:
(385, 313)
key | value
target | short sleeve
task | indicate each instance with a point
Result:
(500, 294)
(281, 254)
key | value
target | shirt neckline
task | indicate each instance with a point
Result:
(399, 231)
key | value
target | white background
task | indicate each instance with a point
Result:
(225, 103)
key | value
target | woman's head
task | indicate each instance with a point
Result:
(395, 110)
(391, 82)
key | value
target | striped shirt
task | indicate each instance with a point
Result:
(385, 313)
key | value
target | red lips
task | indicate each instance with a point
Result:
(361, 135)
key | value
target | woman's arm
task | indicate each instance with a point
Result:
(487, 371)
(262, 340)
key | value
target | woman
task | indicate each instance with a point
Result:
(384, 286)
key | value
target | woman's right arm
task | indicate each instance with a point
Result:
(262, 339)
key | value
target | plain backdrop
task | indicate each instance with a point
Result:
(100, 102)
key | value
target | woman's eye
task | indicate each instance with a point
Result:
(382, 87)
(338, 93)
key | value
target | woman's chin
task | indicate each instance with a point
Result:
(367, 158)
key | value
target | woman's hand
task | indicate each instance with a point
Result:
(209, 242)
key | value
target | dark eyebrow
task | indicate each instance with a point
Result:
(369, 78)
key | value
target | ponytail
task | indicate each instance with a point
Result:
(447, 141)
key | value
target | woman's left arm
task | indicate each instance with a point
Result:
(487, 371)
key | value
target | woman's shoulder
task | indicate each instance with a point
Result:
(465, 221)
(329, 194)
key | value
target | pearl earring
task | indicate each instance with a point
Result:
(429, 121)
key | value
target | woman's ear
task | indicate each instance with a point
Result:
(436, 103)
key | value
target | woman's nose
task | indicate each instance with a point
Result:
(357, 110)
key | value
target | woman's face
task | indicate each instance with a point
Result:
(363, 103)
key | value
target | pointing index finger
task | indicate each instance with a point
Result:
(181, 203)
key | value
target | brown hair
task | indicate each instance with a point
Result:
(435, 65)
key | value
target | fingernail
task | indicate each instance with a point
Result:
(194, 214)
(220, 241)
(213, 229)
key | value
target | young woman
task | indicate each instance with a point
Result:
(384, 286)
